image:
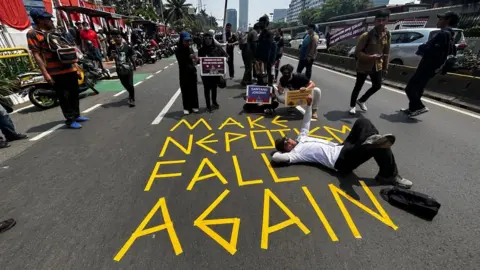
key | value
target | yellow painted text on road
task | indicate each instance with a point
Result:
(156, 175)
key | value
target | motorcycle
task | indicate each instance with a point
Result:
(137, 55)
(148, 53)
(41, 93)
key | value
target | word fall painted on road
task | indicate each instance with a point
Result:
(210, 144)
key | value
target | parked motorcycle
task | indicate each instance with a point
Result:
(137, 55)
(41, 93)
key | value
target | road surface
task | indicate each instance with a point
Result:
(137, 188)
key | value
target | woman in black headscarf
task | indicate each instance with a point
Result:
(188, 73)
(210, 83)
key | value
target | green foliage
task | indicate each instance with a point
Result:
(332, 8)
(148, 13)
(472, 31)
(10, 68)
(469, 61)
(176, 11)
(340, 49)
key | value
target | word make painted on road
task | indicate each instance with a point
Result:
(221, 140)
(258, 94)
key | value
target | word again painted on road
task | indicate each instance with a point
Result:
(219, 141)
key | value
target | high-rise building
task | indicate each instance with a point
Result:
(280, 15)
(232, 18)
(243, 16)
(296, 6)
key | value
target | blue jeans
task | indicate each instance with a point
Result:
(6, 125)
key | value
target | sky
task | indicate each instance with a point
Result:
(256, 8)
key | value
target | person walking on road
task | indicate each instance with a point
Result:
(7, 128)
(363, 143)
(371, 52)
(187, 73)
(63, 77)
(232, 40)
(210, 83)
(434, 56)
(291, 81)
(308, 51)
(122, 53)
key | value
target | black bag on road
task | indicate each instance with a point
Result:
(417, 203)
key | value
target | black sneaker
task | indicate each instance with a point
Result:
(131, 102)
(7, 225)
(17, 137)
(4, 144)
(209, 110)
(418, 112)
(215, 106)
(380, 141)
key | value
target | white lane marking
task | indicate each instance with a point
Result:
(165, 109)
(138, 83)
(45, 133)
(172, 64)
(158, 71)
(166, 67)
(120, 93)
(92, 108)
(23, 108)
(428, 100)
(149, 77)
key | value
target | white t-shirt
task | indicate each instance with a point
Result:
(310, 150)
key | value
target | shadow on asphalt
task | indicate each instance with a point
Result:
(343, 116)
(36, 109)
(399, 117)
(116, 104)
(346, 181)
(44, 127)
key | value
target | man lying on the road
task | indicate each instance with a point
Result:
(297, 81)
(363, 143)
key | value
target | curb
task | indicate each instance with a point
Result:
(436, 96)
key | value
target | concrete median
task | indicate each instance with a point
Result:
(456, 89)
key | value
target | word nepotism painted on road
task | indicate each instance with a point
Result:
(211, 144)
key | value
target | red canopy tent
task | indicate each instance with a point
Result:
(14, 14)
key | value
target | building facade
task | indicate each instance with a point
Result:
(280, 15)
(232, 18)
(296, 6)
(243, 16)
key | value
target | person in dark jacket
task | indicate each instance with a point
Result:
(210, 83)
(265, 53)
(434, 54)
(280, 44)
(249, 56)
(188, 73)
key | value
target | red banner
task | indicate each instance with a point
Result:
(14, 14)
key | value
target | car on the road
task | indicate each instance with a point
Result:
(286, 39)
(296, 42)
(405, 43)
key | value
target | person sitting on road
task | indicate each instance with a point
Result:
(298, 81)
(7, 128)
(363, 143)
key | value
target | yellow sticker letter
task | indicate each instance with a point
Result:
(267, 229)
(383, 216)
(191, 127)
(186, 150)
(141, 231)
(202, 224)
(214, 170)
(156, 175)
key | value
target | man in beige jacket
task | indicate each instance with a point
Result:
(308, 51)
(371, 52)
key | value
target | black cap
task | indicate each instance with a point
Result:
(450, 15)
(39, 13)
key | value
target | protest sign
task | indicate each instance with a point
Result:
(259, 94)
(213, 66)
(297, 97)
(349, 32)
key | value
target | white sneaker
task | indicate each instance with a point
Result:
(195, 110)
(186, 112)
(362, 106)
(353, 110)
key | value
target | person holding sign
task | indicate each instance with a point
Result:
(210, 83)
(188, 73)
(297, 81)
(363, 143)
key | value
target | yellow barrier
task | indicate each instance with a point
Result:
(6, 53)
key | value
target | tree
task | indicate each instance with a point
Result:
(148, 13)
(176, 10)
(310, 15)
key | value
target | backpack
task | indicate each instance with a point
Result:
(451, 63)
(417, 203)
(65, 51)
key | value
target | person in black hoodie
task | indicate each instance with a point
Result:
(265, 53)
(188, 73)
(434, 54)
(210, 83)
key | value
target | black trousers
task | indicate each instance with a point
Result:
(231, 70)
(127, 82)
(248, 63)
(304, 63)
(376, 78)
(210, 85)
(66, 87)
(355, 154)
(416, 86)
(188, 87)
